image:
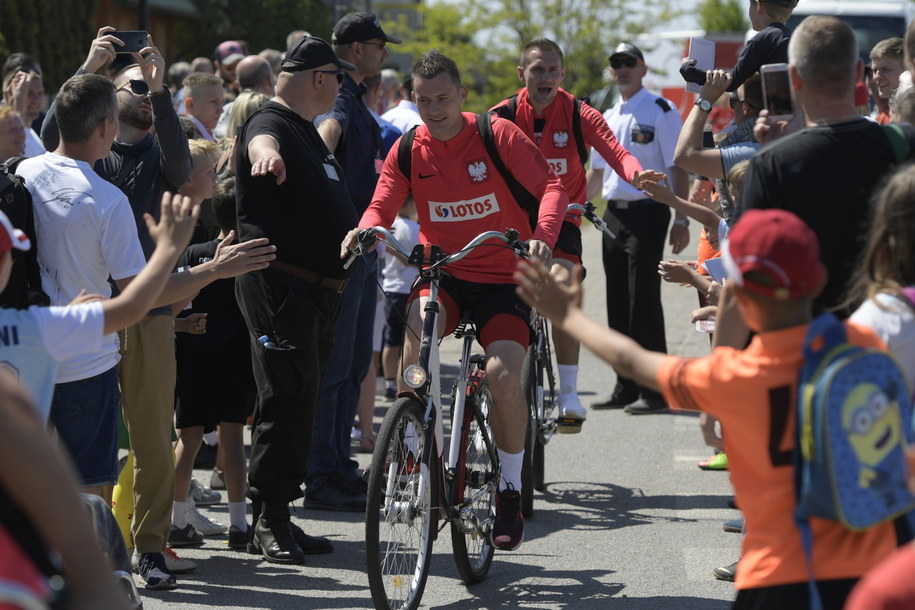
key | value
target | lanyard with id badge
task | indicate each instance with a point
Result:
(330, 168)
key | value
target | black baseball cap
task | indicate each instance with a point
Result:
(311, 52)
(359, 27)
(627, 48)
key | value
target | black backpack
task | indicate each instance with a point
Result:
(509, 110)
(24, 287)
(528, 202)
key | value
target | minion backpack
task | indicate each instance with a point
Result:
(854, 421)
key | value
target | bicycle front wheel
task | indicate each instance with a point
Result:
(399, 516)
(474, 490)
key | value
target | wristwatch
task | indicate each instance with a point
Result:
(704, 104)
(682, 221)
(163, 91)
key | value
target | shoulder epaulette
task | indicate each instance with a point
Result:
(663, 104)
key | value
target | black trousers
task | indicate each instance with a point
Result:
(796, 596)
(300, 319)
(633, 284)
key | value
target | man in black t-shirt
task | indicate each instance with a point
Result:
(826, 172)
(290, 189)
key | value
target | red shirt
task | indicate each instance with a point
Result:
(460, 194)
(557, 142)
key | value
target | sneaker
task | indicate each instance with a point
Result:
(216, 479)
(152, 569)
(619, 399)
(203, 524)
(719, 461)
(186, 536)
(728, 573)
(237, 539)
(734, 526)
(571, 414)
(175, 564)
(203, 496)
(390, 393)
(334, 493)
(508, 529)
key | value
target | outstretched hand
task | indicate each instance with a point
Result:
(547, 291)
(231, 260)
(647, 176)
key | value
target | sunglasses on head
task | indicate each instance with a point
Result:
(337, 73)
(618, 62)
(137, 87)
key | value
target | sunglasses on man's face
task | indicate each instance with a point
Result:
(618, 62)
(137, 87)
(337, 73)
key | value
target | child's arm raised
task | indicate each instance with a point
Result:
(660, 192)
(555, 300)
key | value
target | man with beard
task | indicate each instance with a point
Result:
(143, 168)
(353, 136)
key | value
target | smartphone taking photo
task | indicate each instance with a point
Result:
(777, 92)
(134, 41)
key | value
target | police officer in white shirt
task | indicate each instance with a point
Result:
(647, 126)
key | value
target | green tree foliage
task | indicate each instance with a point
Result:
(723, 15)
(54, 32)
(485, 38)
(260, 23)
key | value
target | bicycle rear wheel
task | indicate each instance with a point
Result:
(399, 518)
(475, 484)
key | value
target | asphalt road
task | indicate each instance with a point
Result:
(627, 519)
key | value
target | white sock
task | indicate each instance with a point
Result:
(511, 469)
(568, 378)
(211, 438)
(238, 515)
(179, 514)
(390, 384)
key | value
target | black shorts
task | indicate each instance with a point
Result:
(499, 314)
(199, 405)
(395, 318)
(568, 244)
(833, 593)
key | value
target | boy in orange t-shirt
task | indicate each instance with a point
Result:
(774, 273)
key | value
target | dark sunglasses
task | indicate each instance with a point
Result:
(618, 62)
(734, 101)
(338, 73)
(138, 87)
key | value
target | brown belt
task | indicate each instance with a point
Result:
(310, 276)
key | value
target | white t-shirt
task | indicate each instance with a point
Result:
(648, 127)
(86, 232)
(894, 323)
(397, 278)
(33, 341)
(403, 116)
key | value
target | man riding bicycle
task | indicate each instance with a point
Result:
(545, 113)
(459, 193)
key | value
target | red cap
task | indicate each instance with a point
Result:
(778, 245)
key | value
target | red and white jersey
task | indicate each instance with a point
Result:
(459, 194)
(557, 141)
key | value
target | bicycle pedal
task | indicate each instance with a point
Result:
(568, 425)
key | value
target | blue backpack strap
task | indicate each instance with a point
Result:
(824, 333)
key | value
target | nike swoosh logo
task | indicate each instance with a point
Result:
(423, 177)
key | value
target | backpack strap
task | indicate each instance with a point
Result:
(576, 131)
(522, 196)
(405, 152)
(902, 139)
(507, 111)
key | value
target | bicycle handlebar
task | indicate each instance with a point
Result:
(587, 210)
(367, 236)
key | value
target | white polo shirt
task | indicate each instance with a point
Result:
(646, 125)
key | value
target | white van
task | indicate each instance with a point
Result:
(872, 21)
